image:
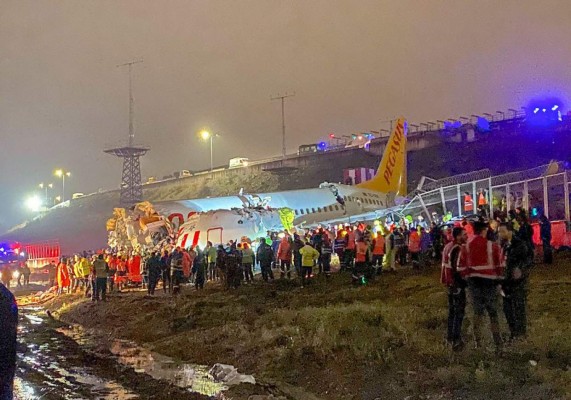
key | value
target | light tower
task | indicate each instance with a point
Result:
(131, 188)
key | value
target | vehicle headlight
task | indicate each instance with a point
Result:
(15, 274)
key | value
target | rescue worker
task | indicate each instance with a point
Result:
(468, 228)
(211, 254)
(83, 271)
(176, 270)
(26, 272)
(414, 248)
(338, 248)
(525, 232)
(484, 273)
(265, 256)
(248, 260)
(378, 251)
(350, 245)
(296, 246)
(398, 246)
(187, 263)
(101, 270)
(309, 257)
(436, 239)
(199, 266)
(468, 203)
(232, 260)
(518, 264)
(52, 274)
(451, 276)
(326, 251)
(284, 257)
(425, 246)
(389, 261)
(120, 276)
(113, 266)
(545, 235)
(63, 280)
(362, 261)
(220, 267)
(166, 272)
(153, 271)
(8, 343)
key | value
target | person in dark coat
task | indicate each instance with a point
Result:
(545, 234)
(518, 262)
(154, 271)
(199, 266)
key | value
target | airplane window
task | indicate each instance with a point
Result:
(318, 209)
(313, 210)
(307, 210)
(301, 211)
(295, 211)
(330, 208)
(336, 207)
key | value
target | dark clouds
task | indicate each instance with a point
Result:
(215, 64)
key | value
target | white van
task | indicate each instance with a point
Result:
(238, 162)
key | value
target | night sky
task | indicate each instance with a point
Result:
(353, 65)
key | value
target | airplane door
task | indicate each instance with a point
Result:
(214, 235)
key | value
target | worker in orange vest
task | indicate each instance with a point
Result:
(484, 272)
(414, 247)
(378, 251)
(468, 203)
(362, 261)
(350, 247)
(482, 199)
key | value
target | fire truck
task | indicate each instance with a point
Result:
(40, 254)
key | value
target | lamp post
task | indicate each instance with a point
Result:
(206, 135)
(62, 174)
(46, 187)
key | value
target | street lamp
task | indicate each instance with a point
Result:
(46, 187)
(62, 174)
(57, 199)
(34, 203)
(206, 135)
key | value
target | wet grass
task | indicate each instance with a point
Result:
(385, 340)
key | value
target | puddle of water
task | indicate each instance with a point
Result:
(193, 377)
(190, 376)
(40, 364)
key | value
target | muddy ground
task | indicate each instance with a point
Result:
(334, 341)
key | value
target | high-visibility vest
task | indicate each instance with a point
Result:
(483, 259)
(447, 273)
(468, 203)
(361, 254)
(482, 200)
(379, 248)
(351, 240)
(414, 242)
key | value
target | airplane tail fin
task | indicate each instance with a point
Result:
(391, 175)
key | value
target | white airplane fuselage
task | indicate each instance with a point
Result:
(311, 206)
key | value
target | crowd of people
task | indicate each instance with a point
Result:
(487, 260)
(491, 261)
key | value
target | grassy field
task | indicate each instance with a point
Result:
(382, 341)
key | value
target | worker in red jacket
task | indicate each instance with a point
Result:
(453, 260)
(484, 273)
(284, 257)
